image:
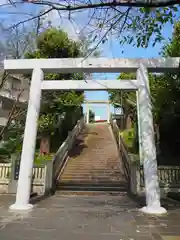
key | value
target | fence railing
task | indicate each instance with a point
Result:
(42, 175)
(115, 130)
(126, 159)
(169, 176)
(39, 172)
(5, 173)
(62, 153)
(8, 175)
(122, 150)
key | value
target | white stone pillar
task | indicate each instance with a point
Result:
(139, 129)
(29, 143)
(87, 113)
(108, 113)
(148, 145)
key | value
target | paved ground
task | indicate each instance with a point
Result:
(88, 217)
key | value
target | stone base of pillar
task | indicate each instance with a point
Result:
(16, 207)
(154, 210)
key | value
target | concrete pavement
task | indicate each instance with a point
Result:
(88, 217)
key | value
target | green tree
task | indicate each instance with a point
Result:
(60, 110)
(91, 116)
(168, 100)
(54, 43)
(127, 101)
(165, 97)
(124, 99)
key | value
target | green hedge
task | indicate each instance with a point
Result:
(41, 159)
(130, 139)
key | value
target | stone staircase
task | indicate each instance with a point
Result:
(93, 163)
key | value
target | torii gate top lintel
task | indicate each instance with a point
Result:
(91, 64)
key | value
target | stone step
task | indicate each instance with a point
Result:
(110, 176)
(91, 176)
(99, 164)
(90, 179)
(95, 167)
(92, 186)
(92, 182)
(86, 165)
(95, 159)
(91, 171)
(90, 193)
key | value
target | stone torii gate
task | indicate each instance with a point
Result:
(99, 102)
(37, 67)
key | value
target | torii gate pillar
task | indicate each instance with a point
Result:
(108, 113)
(153, 205)
(87, 113)
(29, 143)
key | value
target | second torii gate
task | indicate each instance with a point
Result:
(99, 102)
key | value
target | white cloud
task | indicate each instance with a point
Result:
(4, 2)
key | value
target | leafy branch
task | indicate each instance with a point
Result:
(13, 114)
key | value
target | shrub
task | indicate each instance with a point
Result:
(130, 139)
(41, 159)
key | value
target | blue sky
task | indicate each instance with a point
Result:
(111, 49)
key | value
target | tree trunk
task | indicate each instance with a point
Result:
(45, 145)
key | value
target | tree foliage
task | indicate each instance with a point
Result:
(165, 97)
(132, 22)
(59, 110)
(91, 116)
(124, 99)
(54, 43)
(147, 26)
(169, 116)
